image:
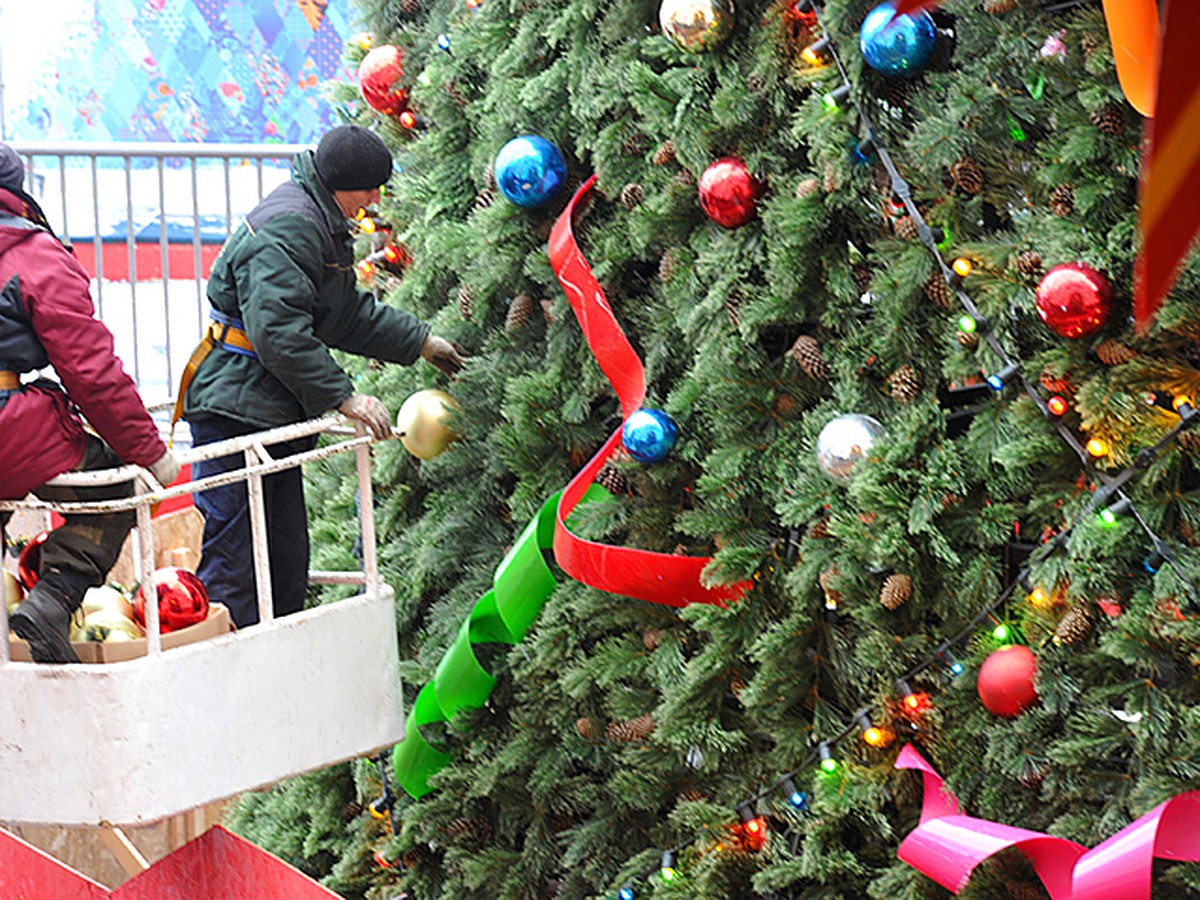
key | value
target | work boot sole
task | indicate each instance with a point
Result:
(45, 646)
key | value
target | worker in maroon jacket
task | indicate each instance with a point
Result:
(47, 319)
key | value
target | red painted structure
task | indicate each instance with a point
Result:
(218, 865)
(147, 260)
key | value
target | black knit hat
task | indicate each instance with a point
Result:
(12, 169)
(351, 158)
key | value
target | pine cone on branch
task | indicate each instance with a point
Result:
(1189, 442)
(904, 384)
(733, 307)
(1114, 353)
(861, 275)
(819, 529)
(806, 351)
(485, 198)
(1073, 627)
(669, 264)
(585, 727)
(968, 339)
(612, 479)
(1029, 263)
(1062, 200)
(631, 196)
(999, 7)
(967, 175)
(466, 300)
(1109, 119)
(905, 228)
(938, 291)
(665, 154)
(807, 187)
(520, 311)
(896, 591)
(636, 729)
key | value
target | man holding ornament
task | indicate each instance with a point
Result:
(47, 319)
(283, 292)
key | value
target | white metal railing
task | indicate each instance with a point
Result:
(258, 464)
(165, 205)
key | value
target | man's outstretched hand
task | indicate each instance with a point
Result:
(447, 356)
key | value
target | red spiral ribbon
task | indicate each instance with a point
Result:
(947, 846)
(643, 574)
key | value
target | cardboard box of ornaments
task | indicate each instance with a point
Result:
(177, 537)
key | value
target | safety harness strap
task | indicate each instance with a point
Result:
(225, 331)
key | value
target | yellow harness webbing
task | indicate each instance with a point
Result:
(218, 333)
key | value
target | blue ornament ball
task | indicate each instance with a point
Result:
(649, 435)
(530, 170)
(896, 45)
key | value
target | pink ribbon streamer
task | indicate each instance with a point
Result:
(643, 574)
(947, 845)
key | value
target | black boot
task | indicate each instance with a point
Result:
(43, 619)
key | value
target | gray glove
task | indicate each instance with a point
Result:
(166, 469)
(447, 356)
(370, 411)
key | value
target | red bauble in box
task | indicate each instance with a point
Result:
(182, 599)
(729, 193)
(1074, 300)
(1006, 681)
(378, 76)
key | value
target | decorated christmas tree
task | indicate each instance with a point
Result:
(865, 462)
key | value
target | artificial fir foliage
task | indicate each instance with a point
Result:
(600, 747)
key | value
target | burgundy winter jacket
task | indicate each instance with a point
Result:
(47, 318)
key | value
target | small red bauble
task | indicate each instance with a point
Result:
(1006, 681)
(1074, 300)
(378, 75)
(29, 563)
(182, 599)
(728, 192)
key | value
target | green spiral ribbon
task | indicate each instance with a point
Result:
(521, 586)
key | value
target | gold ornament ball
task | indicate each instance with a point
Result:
(106, 597)
(12, 591)
(423, 423)
(109, 625)
(696, 26)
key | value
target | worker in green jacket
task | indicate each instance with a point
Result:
(283, 292)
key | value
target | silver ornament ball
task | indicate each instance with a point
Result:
(844, 442)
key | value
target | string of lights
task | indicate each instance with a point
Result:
(1109, 500)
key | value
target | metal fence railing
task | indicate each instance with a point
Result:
(147, 220)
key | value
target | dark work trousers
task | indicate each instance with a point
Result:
(79, 553)
(227, 556)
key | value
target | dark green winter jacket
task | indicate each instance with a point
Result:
(288, 273)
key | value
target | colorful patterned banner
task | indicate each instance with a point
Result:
(1169, 215)
(242, 71)
(947, 846)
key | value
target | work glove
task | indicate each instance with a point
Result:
(165, 469)
(447, 356)
(370, 411)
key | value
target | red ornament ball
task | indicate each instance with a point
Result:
(1074, 300)
(378, 75)
(182, 599)
(729, 193)
(1006, 681)
(29, 563)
